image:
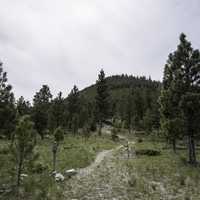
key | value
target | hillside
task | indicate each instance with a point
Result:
(134, 100)
(120, 85)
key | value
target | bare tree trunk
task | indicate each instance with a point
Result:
(12, 139)
(19, 171)
(191, 147)
(55, 148)
(128, 150)
(54, 161)
(174, 145)
(100, 128)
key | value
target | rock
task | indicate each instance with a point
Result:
(59, 177)
(70, 172)
(23, 176)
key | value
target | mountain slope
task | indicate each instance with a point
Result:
(120, 85)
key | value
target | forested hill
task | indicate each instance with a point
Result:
(120, 85)
(134, 100)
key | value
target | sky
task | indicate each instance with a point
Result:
(67, 42)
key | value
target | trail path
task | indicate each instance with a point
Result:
(99, 158)
(105, 178)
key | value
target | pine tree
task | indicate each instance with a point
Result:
(73, 105)
(138, 106)
(41, 105)
(57, 112)
(7, 106)
(180, 86)
(190, 66)
(58, 137)
(23, 144)
(102, 100)
(190, 105)
(23, 107)
(130, 111)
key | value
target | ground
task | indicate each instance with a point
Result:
(106, 172)
(117, 177)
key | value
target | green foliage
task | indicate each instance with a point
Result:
(181, 87)
(190, 105)
(23, 107)
(23, 144)
(57, 112)
(102, 99)
(7, 106)
(41, 104)
(59, 134)
(58, 137)
(73, 106)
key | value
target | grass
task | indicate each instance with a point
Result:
(166, 176)
(74, 152)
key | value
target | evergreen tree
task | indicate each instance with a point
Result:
(41, 105)
(190, 67)
(181, 77)
(24, 144)
(57, 112)
(73, 105)
(23, 107)
(138, 103)
(148, 121)
(190, 104)
(102, 100)
(7, 106)
(75, 123)
(58, 137)
(129, 111)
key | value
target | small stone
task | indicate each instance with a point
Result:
(71, 172)
(59, 177)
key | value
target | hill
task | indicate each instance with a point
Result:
(120, 85)
(134, 100)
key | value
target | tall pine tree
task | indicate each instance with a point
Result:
(41, 105)
(102, 100)
(73, 105)
(7, 106)
(181, 86)
(57, 112)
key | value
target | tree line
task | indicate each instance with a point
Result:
(133, 100)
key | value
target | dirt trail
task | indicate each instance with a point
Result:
(105, 178)
(99, 158)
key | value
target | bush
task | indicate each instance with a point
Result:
(39, 168)
(140, 140)
(4, 150)
(148, 152)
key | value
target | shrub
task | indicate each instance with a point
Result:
(39, 168)
(148, 152)
(140, 140)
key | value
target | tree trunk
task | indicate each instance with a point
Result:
(19, 170)
(42, 136)
(100, 128)
(174, 145)
(55, 148)
(12, 140)
(129, 129)
(54, 161)
(192, 151)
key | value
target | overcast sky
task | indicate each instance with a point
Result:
(66, 42)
